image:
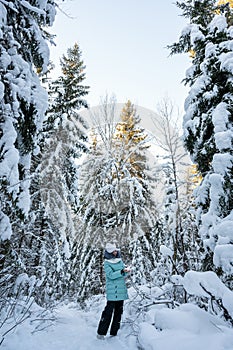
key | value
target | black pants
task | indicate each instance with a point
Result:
(117, 307)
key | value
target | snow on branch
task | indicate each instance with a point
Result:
(166, 251)
(9, 4)
(32, 8)
(207, 284)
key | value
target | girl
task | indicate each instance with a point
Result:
(116, 291)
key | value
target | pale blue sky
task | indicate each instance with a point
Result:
(123, 45)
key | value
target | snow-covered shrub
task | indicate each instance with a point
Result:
(207, 286)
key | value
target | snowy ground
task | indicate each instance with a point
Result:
(158, 328)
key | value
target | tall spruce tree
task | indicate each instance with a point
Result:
(66, 98)
(208, 122)
(63, 141)
(131, 139)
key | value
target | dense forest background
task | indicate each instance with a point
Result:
(58, 212)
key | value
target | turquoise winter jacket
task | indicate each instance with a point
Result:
(115, 281)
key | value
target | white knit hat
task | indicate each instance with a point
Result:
(110, 247)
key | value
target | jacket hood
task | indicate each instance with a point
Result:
(110, 256)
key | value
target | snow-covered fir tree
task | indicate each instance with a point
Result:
(131, 144)
(23, 102)
(63, 141)
(115, 205)
(67, 96)
(208, 134)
